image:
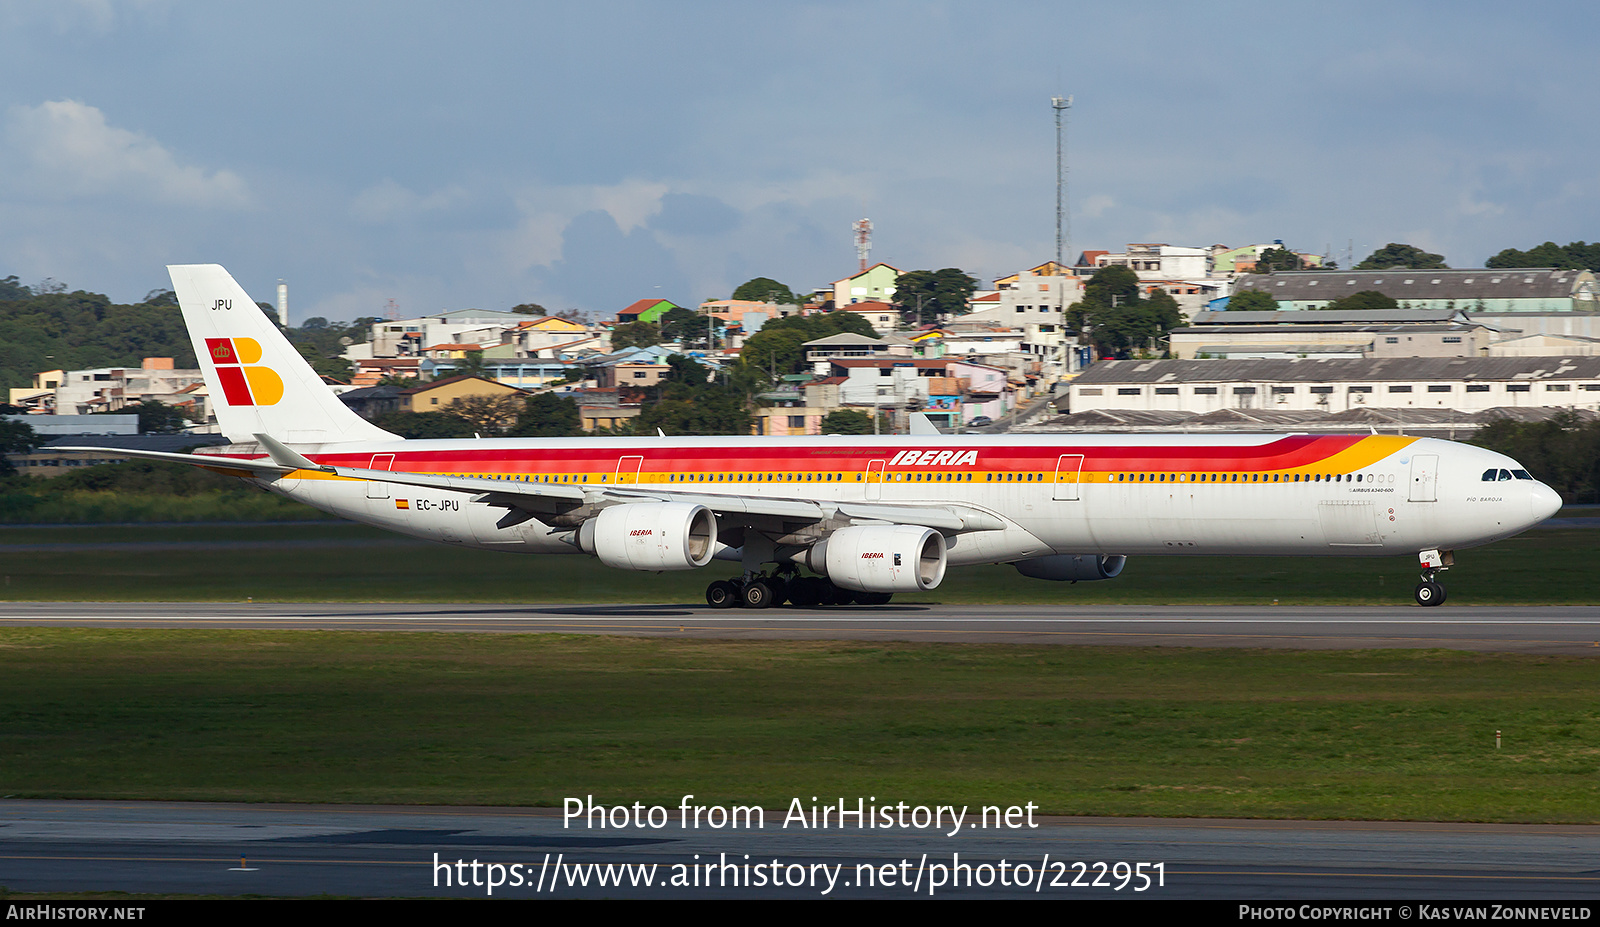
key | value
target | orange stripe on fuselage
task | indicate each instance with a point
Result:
(1292, 453)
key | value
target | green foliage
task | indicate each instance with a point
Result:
(546, 415)
(690, 405)
(77, 331)
(684, 326)
(151, 477)
(1117, 320)
(765, 290)
(424, 425)
(635, 335)
(1397, 255)
(1252, 301)
(1273, 260)
(850, 422)
(777, 349)
(1577, 255)
(15, 438)
(1562, 451)
(155, 417)
(529, 309)
(1366, 299)
(12, 289)
(926, 295)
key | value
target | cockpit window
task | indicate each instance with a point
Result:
(1522, 474)
(1490, 475)
(1505, 474)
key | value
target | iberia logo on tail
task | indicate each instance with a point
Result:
(243, 384)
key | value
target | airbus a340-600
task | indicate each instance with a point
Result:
(867, 517)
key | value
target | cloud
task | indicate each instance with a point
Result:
(69, 148)
(388, 201)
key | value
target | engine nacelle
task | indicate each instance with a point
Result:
(651, 536)
(881, 558)
(1072, 567)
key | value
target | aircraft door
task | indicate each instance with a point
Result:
(628, 469)
(1068, 468)
(875, 480)
(1425, 478)
(376, 490)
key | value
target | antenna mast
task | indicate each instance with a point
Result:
(1063, 223)
(863, 229)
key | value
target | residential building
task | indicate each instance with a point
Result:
(646, 310)
(437, 395)
(875, 284)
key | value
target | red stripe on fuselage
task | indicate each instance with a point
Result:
(1285, 453)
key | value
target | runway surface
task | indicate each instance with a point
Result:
(227, 849)
(1538, 630)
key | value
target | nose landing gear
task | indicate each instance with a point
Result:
(1434, 562)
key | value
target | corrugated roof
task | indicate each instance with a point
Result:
(1405, 283)
(1302, 370)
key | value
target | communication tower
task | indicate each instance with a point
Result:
(1063, 223)
(863, 229)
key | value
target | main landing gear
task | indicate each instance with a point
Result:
(1434, 562)
(768, 590)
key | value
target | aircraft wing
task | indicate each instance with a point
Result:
(532, 496)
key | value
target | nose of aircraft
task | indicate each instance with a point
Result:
(1543, 502)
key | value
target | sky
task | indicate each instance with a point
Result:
(586, 155)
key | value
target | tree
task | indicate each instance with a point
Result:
(157, 417)
(1273, 260)
(635, 335)
(546, 415)
(1252, 301)
(850, 422)
(690, 405)
(685, 326)
(528, 309)
(765, 290)
(15, 438)
(161, 297)
(1116, 319)
(1397, 255)
(1366, 299)
(488, 414)
(926, 295)
(12, 289)
(1574, 256)
(424, 425)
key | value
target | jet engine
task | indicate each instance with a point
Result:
(880, 558)
(1072, 567)
(651, 536)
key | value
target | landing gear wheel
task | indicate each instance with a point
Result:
(805, 592)
(1429, 593)
(756, 595)
(837, 595)
(722, 594)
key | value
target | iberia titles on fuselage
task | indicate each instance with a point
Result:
(869, 516)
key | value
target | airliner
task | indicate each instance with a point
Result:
(831, 520)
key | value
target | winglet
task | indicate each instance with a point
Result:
(922, 425)
(283, 457)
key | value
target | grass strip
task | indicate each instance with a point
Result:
(342, 562)
(532, 719)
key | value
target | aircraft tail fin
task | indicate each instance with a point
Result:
(259, 383)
